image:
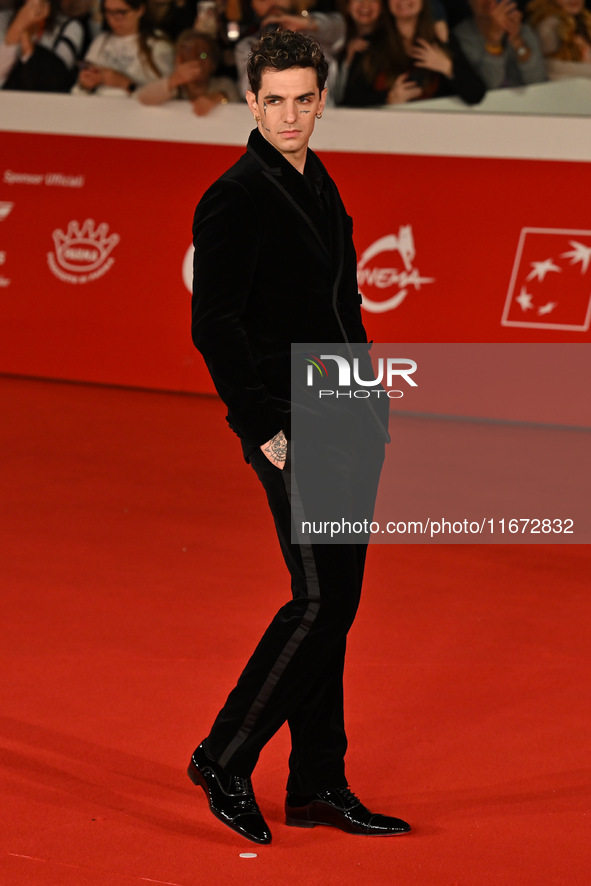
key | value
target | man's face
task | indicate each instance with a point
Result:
(286, 107)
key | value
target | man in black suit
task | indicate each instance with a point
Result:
(275, 264)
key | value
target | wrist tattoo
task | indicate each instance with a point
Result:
(276, 449)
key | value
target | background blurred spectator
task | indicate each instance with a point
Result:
(127, 54)
(421, 66)
(357, 78)
(503, 50)
(40, 48)
(193, 77)
(224, 21)
(564, 30)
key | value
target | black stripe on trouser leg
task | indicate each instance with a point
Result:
(317, 728)
(293, 644)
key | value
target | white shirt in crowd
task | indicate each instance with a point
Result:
(123, 54)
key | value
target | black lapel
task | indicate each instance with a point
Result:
(275, 174)
(338, 240)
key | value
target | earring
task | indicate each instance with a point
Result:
(318, 116)
(257, 119)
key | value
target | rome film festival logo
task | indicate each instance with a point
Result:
(385, 286)
(83, 253)
(550, 285)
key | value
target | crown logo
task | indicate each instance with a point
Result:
(84, 248)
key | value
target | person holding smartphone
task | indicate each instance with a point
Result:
(127, 54)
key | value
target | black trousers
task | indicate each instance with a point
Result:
(296, 670)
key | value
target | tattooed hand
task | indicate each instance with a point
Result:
(276, 450)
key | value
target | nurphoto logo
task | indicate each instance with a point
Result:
(349, 373)
(83, 252)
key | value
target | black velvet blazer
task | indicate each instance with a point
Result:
(271, 268)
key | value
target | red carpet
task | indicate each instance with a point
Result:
(133, 538)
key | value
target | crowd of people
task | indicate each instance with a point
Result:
(380, 51)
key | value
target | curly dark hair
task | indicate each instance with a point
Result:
(281, 50)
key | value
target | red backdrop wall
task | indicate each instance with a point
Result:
(462, 250)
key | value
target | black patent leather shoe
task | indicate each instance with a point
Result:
(230, 797)
(340, 808)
